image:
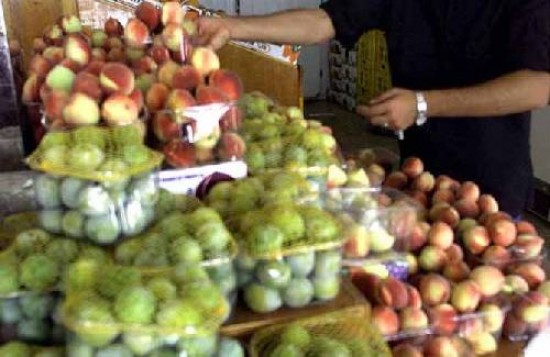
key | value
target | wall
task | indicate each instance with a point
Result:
(540, 145)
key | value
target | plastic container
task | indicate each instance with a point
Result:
(31, 318)
(122, 307)
(529, 316)
(426, 343)
(333, 334)
(376, 220)
(378, 162)
(394, 264)
(102, 213)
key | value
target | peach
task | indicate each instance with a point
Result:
(414, 298)
(445, 195)
(144, 82)
(209, 95)
(489, 218)
(31, 89)
(54, 104)
(487, 203)
(231, 120)
(39, 66)
(424, 182)
(532, 307)
(179, 99)
(366, 283)
(228, 82)
(99, 38)
(393, 293)
(493, 317)
(412, 263)
(418, 236)
(205, 60)
(99, 54)
(441, 235)
(114, 42)
(443, 319)
(434, 289)
(413, 319)
(94, 67)
(156, 97)
(60, 78)
(119, 109)
(465, 296)
(38, 45)
(496, 256)
(117, 78)
(134, 54)
(441, 346)
(165, 127)
(515, 284)
(528, 246)
(419, 197)
(489, 279)
(148, 14)
(71, 65)
(137, 98)
(524, 227)
(476, 239)
(190, 27)
(544, 289)
(81, 110)
(180, 154)
(406, 350)
(469, 325)
(432, 258)
(445, 214)
(232, 147)
(531, 272)
(502, 232)
(483, 343)
(444, 182)
(469, 190)
(412, 167)
(182, 55)
(171, 13)
(456, 271)
(77, 49)
(44, 91)
(159, 53)
(71, 24)
(454, 253)
(204, 154)
(88, 84)
(356, 237)
(514, 326)
(116, 55)
(186, 77)
(54, 54)
(113, 28)
(53, 35)
(167, 71)
(385, 319)
(397, 180)
(466, 208)
(465, 224)
(143, 65)
(174, 37)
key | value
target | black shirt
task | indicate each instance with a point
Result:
(436, 44)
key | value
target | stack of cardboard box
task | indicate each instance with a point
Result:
(343, 75)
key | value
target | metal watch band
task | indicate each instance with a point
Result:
(421, 109)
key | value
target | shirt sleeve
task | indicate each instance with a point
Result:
(351, 18)
(529, 40)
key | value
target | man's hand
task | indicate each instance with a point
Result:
(394, 109)
(213, 32)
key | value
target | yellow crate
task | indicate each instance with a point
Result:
(373, 70)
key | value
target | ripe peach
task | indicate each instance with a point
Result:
(489, 218)
(418, 236)
(502, 232)
(205, 60)
(366, 283)
(159, 53)
(528, 246)
(94, 67)
(53, 35)
(489, 279)
(544, 289)
(165, 127)
(143, 65)
(54, 104)
(71, 65)
(531, 272)
(228, 82)
(434, 289)
(88, 84)
(99, 38)
(171, 13)
(464, 224)
(117, 78)
(71, 24)
(407, 350)
(113, 42)
(469, 190)
(493, 317)
(38, 45)
(81, 110)
(209, 95)
(393, 293)
(496, 256)
(469, 325)
(156, 97)
(204, 154)
(414, 298)
(137, 98)
(116, 55)
(54, 54)
(443, 319)
(441, 235)
(447, 214)
(412, 167)
(524, 227)
(441, 346)
(31, 89)
(174, 37)
(532, 307)
(232, 147)
(515, 284)
(98, 54)
(413, 319)
(424, 182)
(476, 239)
(180, 154)
(466, 208)
(412, 263)
(444, 182)
(487, 203)
(186, 77)
(180, 99)
(419, 197)
(77, 49)
(149, 14)
(432, 258)
(385, 319)
(465, 296)
(113, 28)
(144, 82)
(445, 195)
(134, 54)
(456, 271)
(514, 326)
(454, 253)
(483, 343)
(39, 66)
(397, 180)
(231, 120)
(119, 109)
(166, 72)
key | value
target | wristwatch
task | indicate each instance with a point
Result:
(421, 109)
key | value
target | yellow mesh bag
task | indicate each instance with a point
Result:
(13, 224)
(324, 335)
(373, 70)
(104, 154)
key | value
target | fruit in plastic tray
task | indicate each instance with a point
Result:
(261, 298)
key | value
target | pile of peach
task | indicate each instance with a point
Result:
(151, 65)
(475, 272)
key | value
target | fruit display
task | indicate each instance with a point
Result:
(425, 345)
(20, 349)
(116, 308)
(377, 162)
(395, 264)
(280, 137)
(375, 220)
(323, 335)
(530, 314)
(98, 212)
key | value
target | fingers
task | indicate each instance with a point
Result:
(380, 120)
(218, 40)
(385, 96)
(372, 110)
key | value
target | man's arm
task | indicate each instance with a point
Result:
(516, 92)
(300, 26)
